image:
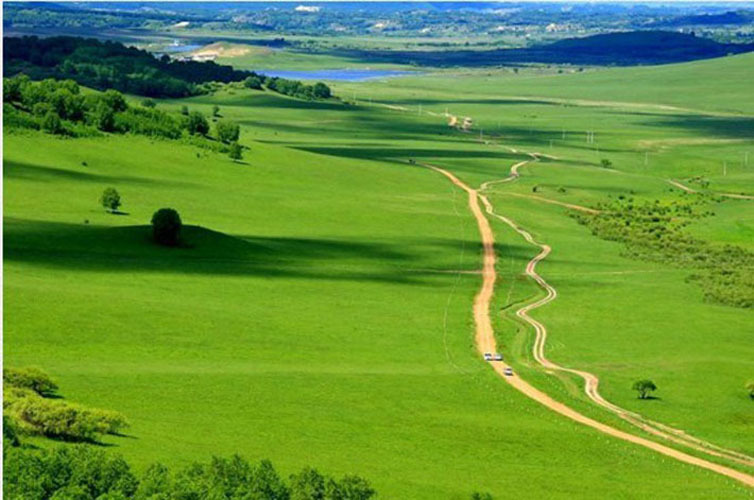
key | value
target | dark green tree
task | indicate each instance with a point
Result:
(149, 103)
(253, 82)
(110, 199)
(321, 91)
(644, 387)
(215, 110)
(197, 124)
(166, 227)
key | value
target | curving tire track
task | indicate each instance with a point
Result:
(485, 342)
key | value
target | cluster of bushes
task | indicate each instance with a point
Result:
(655, 231)
(295, 88)
(30, 406)
(82, 473)
(59, 107)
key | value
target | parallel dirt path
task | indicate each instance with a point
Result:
(485, 338)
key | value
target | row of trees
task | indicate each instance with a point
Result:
(32, 406)
(83, 473)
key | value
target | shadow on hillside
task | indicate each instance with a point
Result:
(28, 171)
(124, 249)
(725, 127)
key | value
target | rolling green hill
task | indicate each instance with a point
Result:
(320, 312)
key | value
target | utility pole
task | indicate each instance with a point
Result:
(646, 158)
(420, 109)
(564, 134)
(725, 168)
(746, 159)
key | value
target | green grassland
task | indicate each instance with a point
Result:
(318, 315)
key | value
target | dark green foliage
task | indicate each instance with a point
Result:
(72, 472)
(750, 389)
(644, 387)
(253, 82)
(82, 115)
(166, 226)
(605, 163)
(236, 151)
(29, 378)
(197, 123)
(51, 123)
(321, 91)
(481, 496)
(10, 433)
(654, 231)
(91, 474)
(215, 110)
(295, 88)
(184, 110)
(227, 131)
(110, 199)
(103, 65)
(148, 103)
(307, 485)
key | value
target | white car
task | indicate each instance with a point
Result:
(488, 356)
(508, 372)
(497, 357)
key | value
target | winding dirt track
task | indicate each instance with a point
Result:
(485, 342)
(684, 187)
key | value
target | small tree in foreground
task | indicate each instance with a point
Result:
(644, 387)
(110, 199)
(235, 152)
(166, 226)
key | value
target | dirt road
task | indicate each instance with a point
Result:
(485, 339)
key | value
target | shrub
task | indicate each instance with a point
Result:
(166, 226)
(321, 91)
(197, 124)
(750, 388)
(29, 378)
(149, 103)
(606, 163)
(110, 199)
(227, 131)
(235, 152)
(253, 82)
(184, 110)
(51, 123)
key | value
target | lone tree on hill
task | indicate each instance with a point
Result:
(236, 152)
(166, 227)
(606, 163)
(644, 387)
(227, 131)
(110, 199)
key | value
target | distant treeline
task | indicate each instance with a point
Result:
(111, 65)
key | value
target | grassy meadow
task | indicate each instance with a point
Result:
(320, 312)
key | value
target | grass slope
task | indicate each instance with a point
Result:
(319, 317)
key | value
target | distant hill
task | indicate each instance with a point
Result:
(726, 18)
(619, 49)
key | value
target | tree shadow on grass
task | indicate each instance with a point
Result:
(130, 249)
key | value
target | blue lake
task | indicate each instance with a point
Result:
(346, 75)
